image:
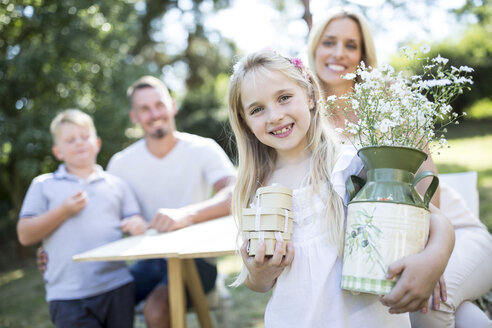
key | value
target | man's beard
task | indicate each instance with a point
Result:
(159, 133)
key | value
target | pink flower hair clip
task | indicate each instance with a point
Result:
(297, 62)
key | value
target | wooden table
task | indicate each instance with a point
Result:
(209, 239)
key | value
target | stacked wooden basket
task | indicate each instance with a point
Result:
(269, 219)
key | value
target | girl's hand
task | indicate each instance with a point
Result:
(420, 273)
(263, 271)
(417, 281)
(439, 293)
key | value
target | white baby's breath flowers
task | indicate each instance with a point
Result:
(440, 60)
(425, 48)
(466, 69)
(349, 76)
(391, 109)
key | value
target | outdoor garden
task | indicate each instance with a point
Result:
(84, 54)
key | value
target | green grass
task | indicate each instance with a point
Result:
(22, 303)
(471, 154)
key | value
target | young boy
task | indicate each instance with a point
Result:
(75, 209)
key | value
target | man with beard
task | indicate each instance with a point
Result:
(172, 174)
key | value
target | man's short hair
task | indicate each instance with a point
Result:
(148, 81)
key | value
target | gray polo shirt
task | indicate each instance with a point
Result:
(110, 199)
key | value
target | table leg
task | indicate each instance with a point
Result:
(195, 289)
(177, 300)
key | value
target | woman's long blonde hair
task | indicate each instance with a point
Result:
(256, 161)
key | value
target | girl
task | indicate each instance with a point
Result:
(337, 44)
(283, 137)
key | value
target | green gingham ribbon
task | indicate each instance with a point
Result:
(366, 285)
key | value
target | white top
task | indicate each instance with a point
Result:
(183, 177)
(308, 292)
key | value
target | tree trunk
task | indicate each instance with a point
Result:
(308, 17)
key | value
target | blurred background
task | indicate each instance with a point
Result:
(84, 54)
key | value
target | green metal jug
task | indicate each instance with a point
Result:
(387, 219)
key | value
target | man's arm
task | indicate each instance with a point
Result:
(217, 206)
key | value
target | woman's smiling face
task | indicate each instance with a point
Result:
(277, 111)
(339, 52)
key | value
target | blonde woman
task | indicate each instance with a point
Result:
(337, 44)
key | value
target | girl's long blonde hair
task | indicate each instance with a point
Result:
(256, 161)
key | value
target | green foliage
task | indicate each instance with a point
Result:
(481, 9)
(84, 54)
(481, 109)
(23, 303)
(58, 55)
(473, 49)
(204, 112)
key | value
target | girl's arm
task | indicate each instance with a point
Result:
(421, 272)
(31, 230)
(263, 271)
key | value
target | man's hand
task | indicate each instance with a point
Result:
(134, 225)
(41, 260)
(169, 219)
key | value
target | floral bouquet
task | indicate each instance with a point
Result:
(393, 110)
(393, 119)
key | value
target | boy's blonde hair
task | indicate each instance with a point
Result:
(368, 50)
(73, 116)
(256, 161)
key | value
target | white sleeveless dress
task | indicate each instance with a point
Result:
(308, 293)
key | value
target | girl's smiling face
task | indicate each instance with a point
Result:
(277, 111)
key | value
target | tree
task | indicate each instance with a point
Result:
(82, 54)
(55, 56)
(472, 48)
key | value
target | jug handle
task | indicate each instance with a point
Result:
(432, 187)
(349, 185)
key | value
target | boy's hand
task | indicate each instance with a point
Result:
(170, 219)
(416, 283)
(134, 225)
(74, 204)
(263, 271)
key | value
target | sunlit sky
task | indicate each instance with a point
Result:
(256, 24)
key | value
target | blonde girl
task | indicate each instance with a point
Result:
(283, 137)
